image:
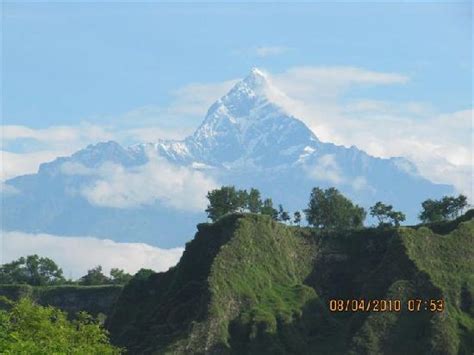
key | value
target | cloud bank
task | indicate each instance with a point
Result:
(24, 148)
(327, 169)
(76, 255)
(177, 187)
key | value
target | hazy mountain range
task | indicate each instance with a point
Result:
(155, 192)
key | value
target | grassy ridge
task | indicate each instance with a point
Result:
(247, 284)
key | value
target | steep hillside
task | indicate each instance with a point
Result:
(247, 284)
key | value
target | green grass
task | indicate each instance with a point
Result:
(249, 285)
(449, 261)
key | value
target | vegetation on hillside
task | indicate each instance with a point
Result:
(447, 208)
(330, 210)
(28, 328)
(249, 285)
(228, 199)
(41, 271)
(386, 215)
(32, 270)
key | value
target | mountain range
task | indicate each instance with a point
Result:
(246, 139)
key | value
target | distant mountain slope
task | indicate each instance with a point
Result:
(246, 139)
(249, 285)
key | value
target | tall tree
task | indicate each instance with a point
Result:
(432, 211)
(222, 201)
(297, 218)
(267, 209)
(119, 277)
(444, 209)
(282, 214)
(385, 214)
(32, 270)
(94, 276)
(329, 209)
(254, 202)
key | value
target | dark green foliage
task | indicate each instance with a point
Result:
(94, 276)
(229, 200)
(119, 277)
(268, 210)
(444, 209)
(223, 201)
(95, 300)
(330, 210)
(40, 271)
(27, 328)
(32, 270)
(254, 203)
(386, 215)
(297, 218)
(283, 215)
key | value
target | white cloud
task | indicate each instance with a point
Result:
(6, 189)
(58, 135)
(14, 164)
(262, 51)
(325, 82)
(266, 51)
(326, 169)
(440, 144)
(73, 168)
(177, 187)
(78, 254)
(43, 145)
(196, 98)
(178, 119)
(360, 184)
(149, 123)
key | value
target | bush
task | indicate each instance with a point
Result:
(27, 328)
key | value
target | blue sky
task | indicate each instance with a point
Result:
(63, 63)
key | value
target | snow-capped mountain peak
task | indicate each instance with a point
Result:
(246, 123)
(249, 93)
(257, 82)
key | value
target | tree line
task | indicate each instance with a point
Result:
(327, 209)
(42, 271)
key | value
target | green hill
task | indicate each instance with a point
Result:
(247, 284)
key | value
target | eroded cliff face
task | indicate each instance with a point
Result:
(95, 300)
(247, 284)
